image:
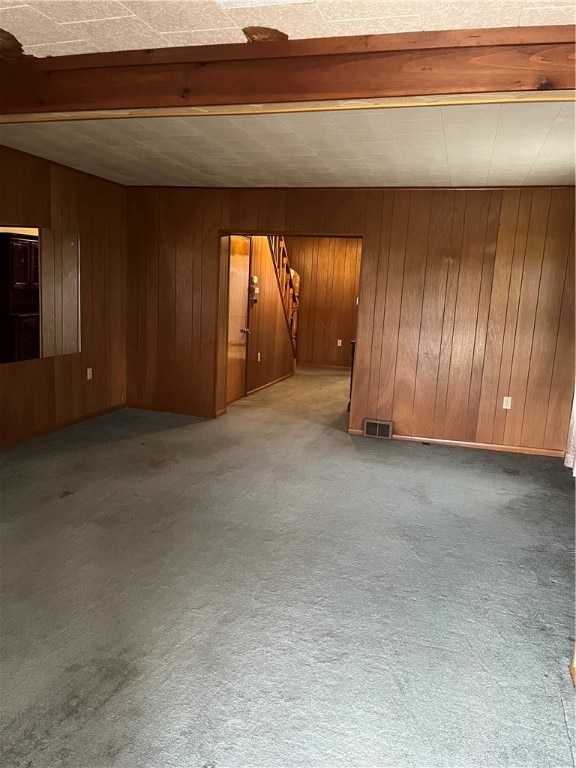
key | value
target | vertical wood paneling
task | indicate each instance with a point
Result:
(433, 304)
(269, 334)
(393, 303)
(497, 316)
(527, 314)
(39, 395)
(547, 317)
(411, 311)
(329, 269)
(562, 385)
(465, 297)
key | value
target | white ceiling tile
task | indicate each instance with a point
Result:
(117, 34)
(71, 48)
(473, 114)
(380, 26)
(543, 15)
(206, 37)
(33, 28)
(343, 10)
(300, 20)
(167, 16)
(287, 151)
(471, 14)
(80, 10)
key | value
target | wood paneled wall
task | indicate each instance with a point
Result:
(329, 268)
(60, 292)
(465, 296)
(473, 286)
(39, 395)
(269, 333)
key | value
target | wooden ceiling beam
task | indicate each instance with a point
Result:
(377, 66)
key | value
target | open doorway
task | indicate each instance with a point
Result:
(290, 304)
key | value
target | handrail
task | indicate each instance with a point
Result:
(289, 291)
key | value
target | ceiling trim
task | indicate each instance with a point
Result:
(460, 99)
(370, 67)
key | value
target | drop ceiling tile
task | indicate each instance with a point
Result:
(269, 149)
(33, 28)
(261, 124)
(299, 20)
(420, 140)
(80, 10)
(407, 114)
(417, 127)
(117, 34)
(345, 10)
(167, 16)
(541, 16)
(471, 14)
(206, 37)
(71, 48)
(380, 26)
(473, 114)
(368, 135)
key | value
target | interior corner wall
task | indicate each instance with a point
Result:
(329, 269)
(37, 396)
(465, 297)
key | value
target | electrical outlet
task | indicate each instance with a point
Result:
(258, 356)
(89, 374)
(339, 343)
(507, 404)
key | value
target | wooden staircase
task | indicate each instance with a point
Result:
(288, 284)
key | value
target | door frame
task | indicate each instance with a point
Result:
(248, 308)
(221, 314)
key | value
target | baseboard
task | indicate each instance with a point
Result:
(482, 446)
(221, 412)
(270, 383)
(479, 446)
(61, 425)
(319, 365)
(179, 412)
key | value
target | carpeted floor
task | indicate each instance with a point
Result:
(265, 591)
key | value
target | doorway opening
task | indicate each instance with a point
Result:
(289, 304)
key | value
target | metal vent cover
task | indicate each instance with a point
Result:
(378, 428)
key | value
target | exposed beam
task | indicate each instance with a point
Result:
(369, 67)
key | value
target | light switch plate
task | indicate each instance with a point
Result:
(339, 343)
(89, 374)
(507, 403)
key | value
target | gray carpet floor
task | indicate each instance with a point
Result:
(266, 591)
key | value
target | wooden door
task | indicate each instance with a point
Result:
(238, 333)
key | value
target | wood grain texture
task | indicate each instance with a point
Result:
(39, 395)
(60, 292)
(269, 334)
(329, 269)
(453, 312)
(465, 297)
(306, 71)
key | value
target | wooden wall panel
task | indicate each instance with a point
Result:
(40, 395)
(329, 268)
(269, 334)
(454, 313)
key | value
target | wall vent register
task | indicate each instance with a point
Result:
(377, 428)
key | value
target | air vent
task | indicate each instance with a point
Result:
(376, 428)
